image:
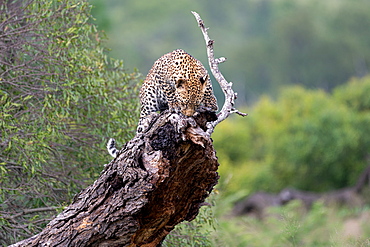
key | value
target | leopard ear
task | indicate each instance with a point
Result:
(204, 79)
(180, 83)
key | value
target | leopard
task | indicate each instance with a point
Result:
(177, 82)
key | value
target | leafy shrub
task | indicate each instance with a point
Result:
(306, 139)
(195, 233)
(61, 98)
(355, 94)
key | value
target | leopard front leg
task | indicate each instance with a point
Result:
(149, 104)
(169, 93)
(149, 108)
(144, 122)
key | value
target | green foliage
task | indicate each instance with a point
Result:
(303, 134)
(270, 43)
(197, 232)
(292, 225)
(240, 153)
(311, 136)
(61, 98)
(355, 94)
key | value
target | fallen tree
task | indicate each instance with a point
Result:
(159, 179)
(354, 196)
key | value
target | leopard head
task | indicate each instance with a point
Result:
(189, 93)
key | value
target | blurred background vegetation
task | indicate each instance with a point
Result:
(301, 72)
(317, 44)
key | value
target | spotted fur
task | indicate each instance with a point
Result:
(178, 82)
(111, 146)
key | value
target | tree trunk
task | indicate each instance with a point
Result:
(159, 179)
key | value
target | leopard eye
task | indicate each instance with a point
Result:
(204, 79)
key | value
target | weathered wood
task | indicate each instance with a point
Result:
(160, 178)
(256, 204)
(230, 95)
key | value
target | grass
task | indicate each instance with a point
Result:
(290, 225)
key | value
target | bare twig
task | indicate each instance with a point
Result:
(30, 211)
(226, 86)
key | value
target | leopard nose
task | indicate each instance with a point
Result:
(189, 112)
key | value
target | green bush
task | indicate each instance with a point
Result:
(307, 139)
(355, 94)
(313, 137)
(197, 232)
(61, 98)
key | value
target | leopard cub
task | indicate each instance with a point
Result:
(178, 82)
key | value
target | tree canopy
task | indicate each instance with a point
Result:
(61, 99)
(307, 139)
(272, 43)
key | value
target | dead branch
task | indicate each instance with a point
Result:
(226, 86)
(29, 211)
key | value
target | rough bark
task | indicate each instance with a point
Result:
(160, 178)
